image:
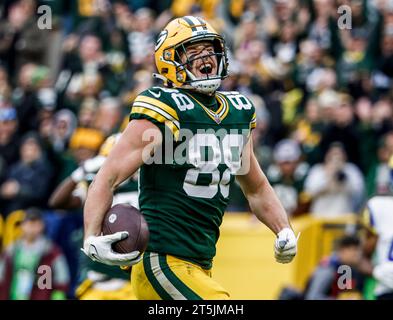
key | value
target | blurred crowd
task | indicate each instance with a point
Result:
(323, 95)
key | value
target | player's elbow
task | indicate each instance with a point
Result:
(55, 201)
(255, 189)
(52, 203)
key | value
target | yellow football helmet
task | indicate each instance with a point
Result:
(172, 42)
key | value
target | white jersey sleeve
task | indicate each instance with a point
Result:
(379, 217)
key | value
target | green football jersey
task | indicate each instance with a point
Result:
(184, 189)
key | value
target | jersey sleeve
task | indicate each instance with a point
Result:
(253, 122)
(242, 104)
(248, 107)
(251, 113)
(151, 106)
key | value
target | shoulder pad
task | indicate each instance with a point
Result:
(152, 104)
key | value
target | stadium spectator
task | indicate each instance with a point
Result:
(21, 272)
(87, 113)
(24, 97)
(5, 87)
(26, 182)
(247, 31)
(84, 143)
(141, 40)
(86, 72)
(325, 284)
(9, 139)
(342, 129)
(378, 178)
(64, 125)
(109, 116)
(336, 186)
(23, 41)
(320, 29)
(287, 175)
(308, 131)
(308, 69)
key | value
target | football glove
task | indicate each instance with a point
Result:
(89, 166)
(285, 246)
(99, 248)
(383, 273)
(94, 164)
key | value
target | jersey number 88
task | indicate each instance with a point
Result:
(228, 152)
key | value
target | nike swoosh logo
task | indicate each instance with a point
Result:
(94, 255)
(157, 95)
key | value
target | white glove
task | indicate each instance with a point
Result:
(99, 248)
(89, 166)
(384, 274)
(285, 246)
(94, 164)
(78, 175)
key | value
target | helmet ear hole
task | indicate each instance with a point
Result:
(217, 46)
(179, 77)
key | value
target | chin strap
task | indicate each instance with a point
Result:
(160, 77)
(207, 86)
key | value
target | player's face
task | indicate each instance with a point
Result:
(207, 65)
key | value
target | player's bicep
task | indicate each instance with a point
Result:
(135, 146)
(252, 177)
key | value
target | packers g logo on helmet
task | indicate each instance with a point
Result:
(175, 36)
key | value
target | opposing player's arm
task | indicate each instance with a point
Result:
(266, 206)
(369, 241)
(369, 244)
(134, 147)
(137, 141)
(62, 197)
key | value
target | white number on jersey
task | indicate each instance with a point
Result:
(229, 150)
(182, 101)
(238, 100)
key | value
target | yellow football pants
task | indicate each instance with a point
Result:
(124, 293)
(169, 278)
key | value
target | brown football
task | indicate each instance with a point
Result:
(124, 217)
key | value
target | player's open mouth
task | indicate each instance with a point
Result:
(206, 68)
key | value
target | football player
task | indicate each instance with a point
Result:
(184, 193)
(378, 220)
(98, 281)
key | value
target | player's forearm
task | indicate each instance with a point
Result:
(260, 195)
(124, 160)
(98, 202)
(267, 208)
